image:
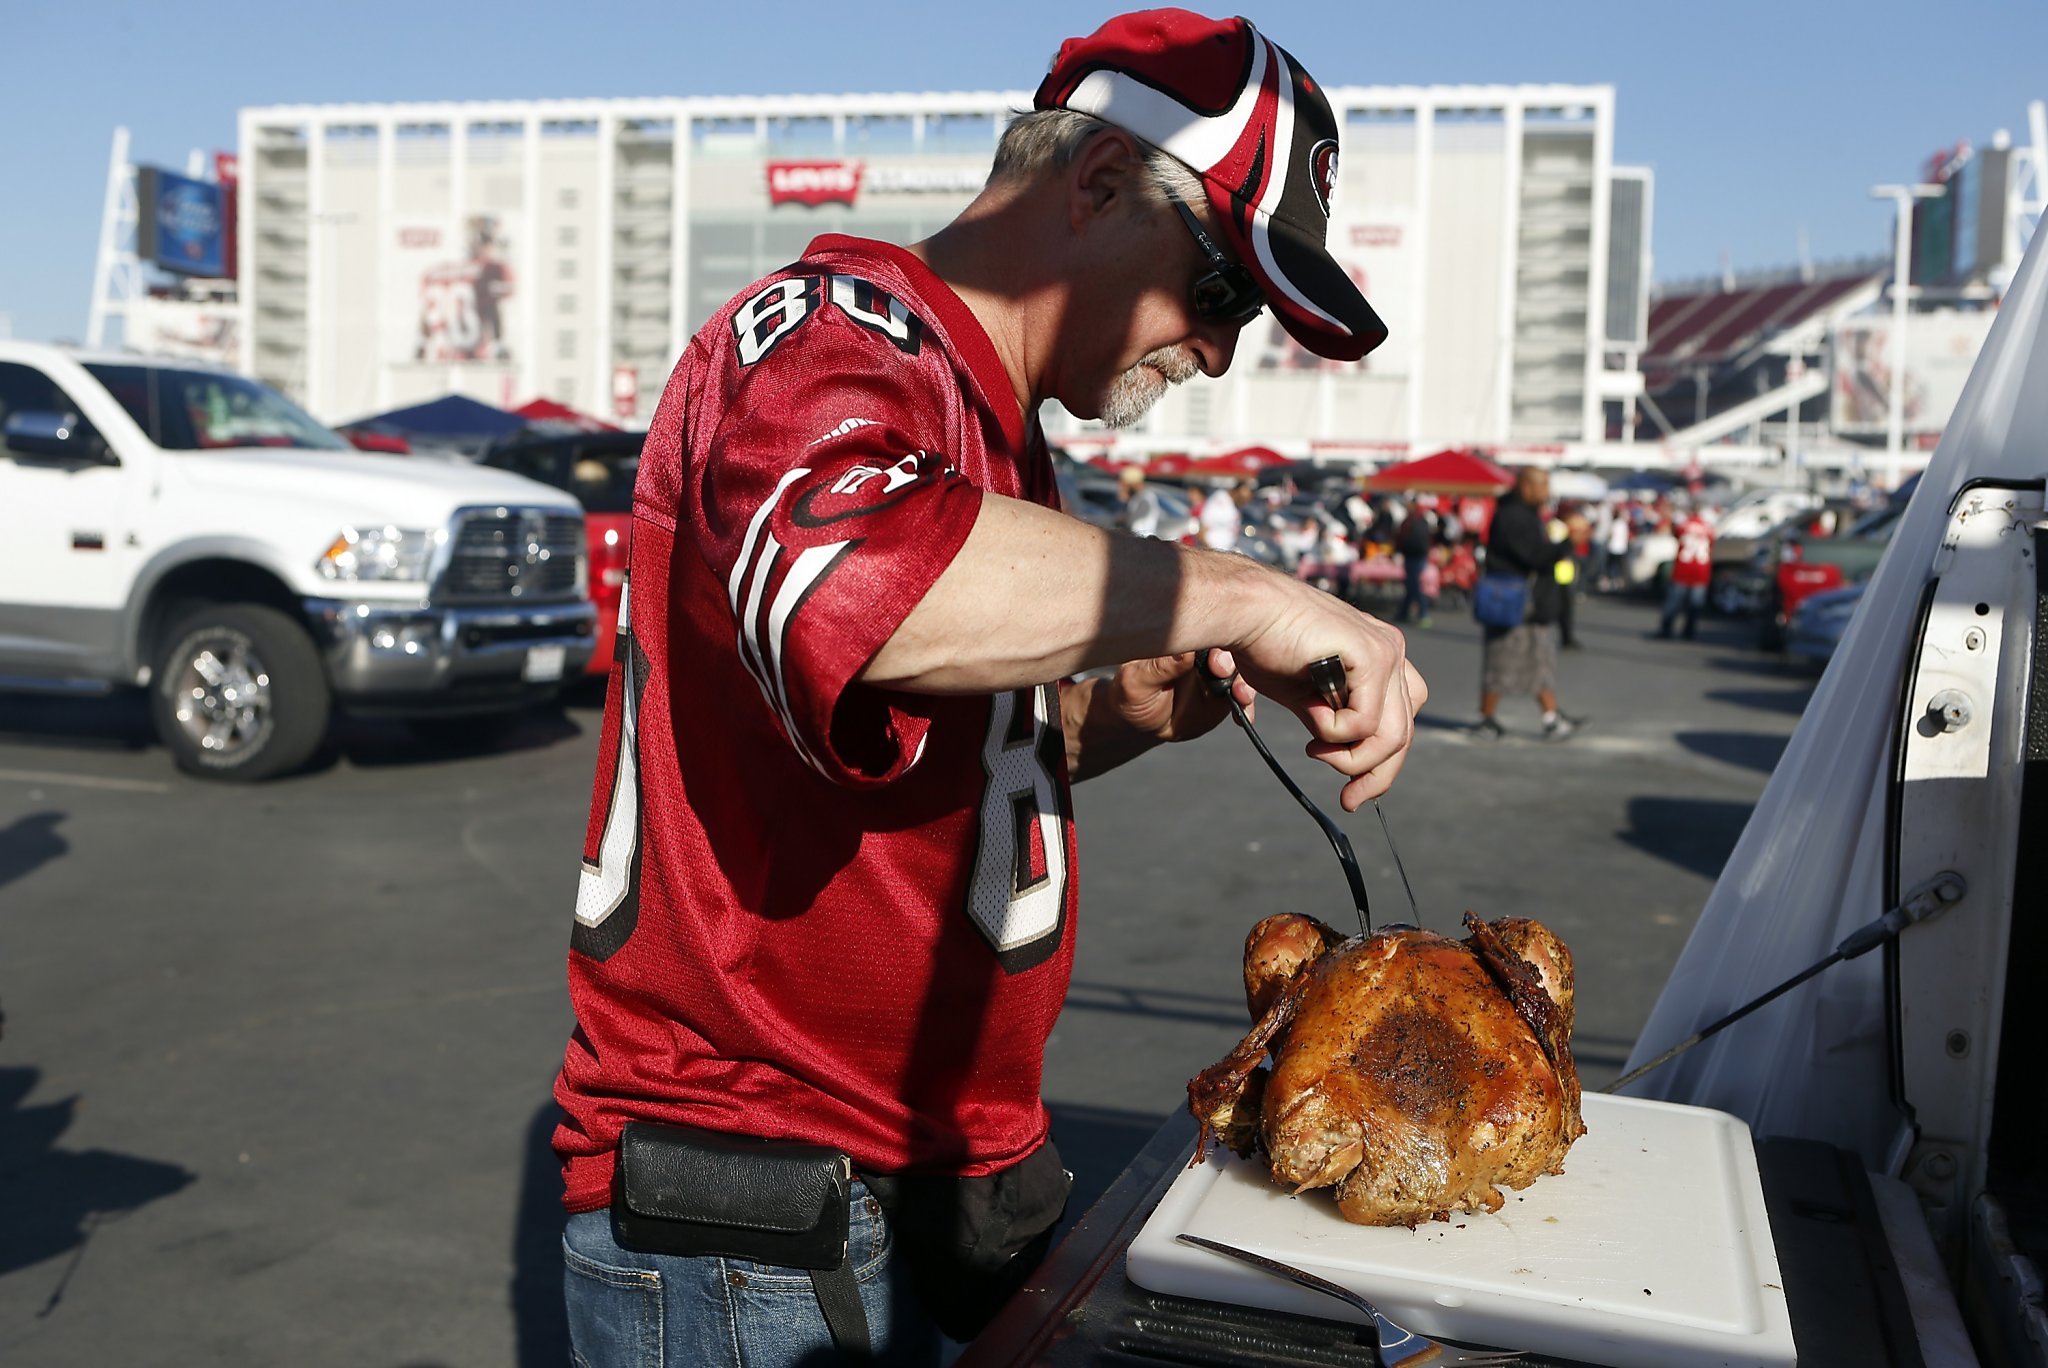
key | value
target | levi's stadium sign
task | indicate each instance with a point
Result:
(813, 182)
(840, 182)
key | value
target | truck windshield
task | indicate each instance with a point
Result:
(191, 410)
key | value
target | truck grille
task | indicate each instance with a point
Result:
(503, 554)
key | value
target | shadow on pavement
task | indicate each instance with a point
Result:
(385, 743)
(117, 721)
(540, 1325)
(120, 721)
(54, 1199)
(1166, 1004)
(1756, 663)
(1791, 702)
(586, 694)
(29, 843)
(1696, 834)
(1751, 750)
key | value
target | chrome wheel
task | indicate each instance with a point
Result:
(221, 697)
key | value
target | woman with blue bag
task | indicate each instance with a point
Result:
(1516, 603)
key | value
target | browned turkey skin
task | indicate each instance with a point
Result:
(1412, 1072)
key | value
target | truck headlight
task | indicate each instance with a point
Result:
(378, 553)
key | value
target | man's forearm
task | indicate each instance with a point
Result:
(1034, 595)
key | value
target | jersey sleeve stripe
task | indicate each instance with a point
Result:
(759, 521)
(811, 565)
(754, 651)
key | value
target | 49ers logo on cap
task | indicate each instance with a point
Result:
(1322, 172)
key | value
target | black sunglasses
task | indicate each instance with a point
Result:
(1226, 293)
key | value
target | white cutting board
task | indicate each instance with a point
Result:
(1652, 1248)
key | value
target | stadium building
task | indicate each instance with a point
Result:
(567, 249)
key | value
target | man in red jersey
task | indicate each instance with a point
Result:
(1691, 572)
(828, 894)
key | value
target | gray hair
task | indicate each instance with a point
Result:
(1052, 138)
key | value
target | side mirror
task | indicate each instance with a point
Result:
(65, 436)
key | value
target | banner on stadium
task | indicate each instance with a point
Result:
(193, 330)
(181, 223)
(846, 180)
(449, 291)
(1940, 349)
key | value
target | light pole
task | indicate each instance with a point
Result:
(1902, 197)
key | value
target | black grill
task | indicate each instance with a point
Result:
(507, 554)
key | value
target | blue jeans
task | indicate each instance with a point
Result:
(1411, 587)
(634, 1310)
(1687, 597)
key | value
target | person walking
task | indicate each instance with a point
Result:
(1614, 572)
(1522, 658)
(1141, 513)
(826, 910)
(1572, 529)
(1223, 517)
(1413, 542)
(1691, 572)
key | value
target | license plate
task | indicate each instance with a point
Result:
(544, 663)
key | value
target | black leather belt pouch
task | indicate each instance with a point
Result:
(680, 1190)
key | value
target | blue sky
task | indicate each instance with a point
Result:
(1759, 118)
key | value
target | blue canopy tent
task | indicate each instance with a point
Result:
(453, 421)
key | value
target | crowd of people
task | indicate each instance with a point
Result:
(1417, 546)
(1404, 552)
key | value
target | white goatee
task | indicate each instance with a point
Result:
(1131, 395)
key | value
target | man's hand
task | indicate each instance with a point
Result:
(1367, 739)
(1110, 720)
(1166, 698)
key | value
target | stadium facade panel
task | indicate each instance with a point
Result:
(567, 249)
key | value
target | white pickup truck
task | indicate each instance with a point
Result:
(169, 526)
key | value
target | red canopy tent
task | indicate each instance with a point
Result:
(1447, 472)
(546, 412)
(1169, 463)
(1246, 461)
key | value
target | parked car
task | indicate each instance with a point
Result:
(1818, 624)
(1815, 565)
(1650, 554)
(599, 469)
(1746, 568)
(170, 526)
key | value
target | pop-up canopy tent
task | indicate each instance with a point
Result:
(1169, 464)
(549, 416)
(1447, 472)
(1242, 463)
(453, 421)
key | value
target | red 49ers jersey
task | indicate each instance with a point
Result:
(1694, 563)
(810, 908)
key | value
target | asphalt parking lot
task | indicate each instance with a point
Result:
(275, 1067)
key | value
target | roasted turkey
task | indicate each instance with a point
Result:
(1412, 1072)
